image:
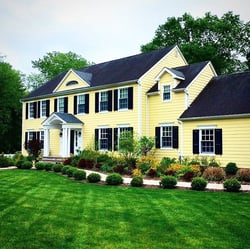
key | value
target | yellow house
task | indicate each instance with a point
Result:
(152, 94)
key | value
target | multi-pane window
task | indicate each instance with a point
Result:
(43, 109)
(103, 101)
(41, 138)
(166, 92)
(123, 98)
(31, 107)
(61, 105)
(166, 136)
(103, 139)
(81, 104)
(207, 140)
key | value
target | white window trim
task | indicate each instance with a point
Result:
(118, 99)
(202, 128)
(81, 113)
(29, 104)
(166, 148)
(41, 116)
(170, 99)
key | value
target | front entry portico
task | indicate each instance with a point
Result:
(69, 138)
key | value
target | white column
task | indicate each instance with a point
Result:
(46, 142)
(65, 142)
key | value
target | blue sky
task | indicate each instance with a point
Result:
(98, 30)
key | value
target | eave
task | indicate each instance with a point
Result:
(243, 115)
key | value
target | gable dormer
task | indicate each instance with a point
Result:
(74, 79)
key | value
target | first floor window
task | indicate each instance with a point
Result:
(42, 138)
(103, 138)
(121, 133)
(207, 141)
(167, 137)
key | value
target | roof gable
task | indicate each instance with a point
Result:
(223, 96)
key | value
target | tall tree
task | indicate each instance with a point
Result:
(52, 64)
(11, 92)
(224, 41)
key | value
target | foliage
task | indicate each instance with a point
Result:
(223, 41)
(188, 172)
(147, 163)
(26, 165)
(6, 161)
(168, 182)
(114, 179)
(40, 165)
(145, 145)
(70, 171)
(65, 168)
(136, 172)
(57, 167)
(214, 174)
(94, 177)
(232, 185)
(34, 148)
(231, 168)
(174, 169)
(51, 65)
(11, 91)
(198, 183)
(137, 181)
(243, 175)
(165, 164)
(48, 166)
(79, 174)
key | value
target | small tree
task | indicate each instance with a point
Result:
(145, 145)
(34, 148)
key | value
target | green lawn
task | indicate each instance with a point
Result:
(46, 210)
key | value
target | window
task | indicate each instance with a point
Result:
(207, 141)
(31, 110)
(103, 138)
(41, 137)
(61, 104)
(118, 132)
(103, 101)
(167, 136)
(166, 93)
(43, 109)
(123, 98)
(81, 104)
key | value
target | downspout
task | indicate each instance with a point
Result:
(139, 109)
(181, 140)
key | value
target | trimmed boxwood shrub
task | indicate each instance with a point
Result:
(65, 168)
(79, 174)
(231, 168)
(94, 177)
(57, 167)
(168, 181)
(198, 183)
(26, 165)
(137, 181)
(232, 185)
(70, 171)
(114, 179)
(48, 166)
(40, 165)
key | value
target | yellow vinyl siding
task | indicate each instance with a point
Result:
(235, 137)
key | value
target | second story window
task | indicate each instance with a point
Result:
(81, 104)
(43, 109)
(123, 98)
(166, 93)
(31, 110)
(61, 104)
(103, 101)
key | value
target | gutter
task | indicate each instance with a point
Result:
(246, 115)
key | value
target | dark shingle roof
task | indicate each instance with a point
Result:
(68, 118)
(224, 95)
(116, 71)
(188, 71)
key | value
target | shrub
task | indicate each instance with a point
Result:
(70, 171)
(174, 169)
(198, 183)
(243, 175)
(118, 169)
(214, 174)
(168, 182)
(57, 167)
(137, 181)
(232, 185)
(152, 172)
(5, 161)
(79, 174)
(136, 172)
(94, 177)
(26, 165)
(48, 166)
(19, 163)
(231, 168)
(114, 179)
(39, 165)
(65, 168)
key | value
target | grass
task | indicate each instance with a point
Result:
(46, 210)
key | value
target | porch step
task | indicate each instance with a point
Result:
(53, 159)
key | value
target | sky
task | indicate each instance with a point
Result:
(98, 30)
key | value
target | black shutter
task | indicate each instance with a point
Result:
(97, 102)
(47, 107)
(75, 104)
(65, 104)
(218, 141)
(38, 135)
(55, 105)
(109, 138)
(175, 137)
(26, 141)
(110, 101)
(35, 109)
(130, 129)
(130, 98)
(96, 139)
(27, 110)
(115, 139)
(86, 103)
(38, 109)
(158, 137)
(115, 100)
(196, 142)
